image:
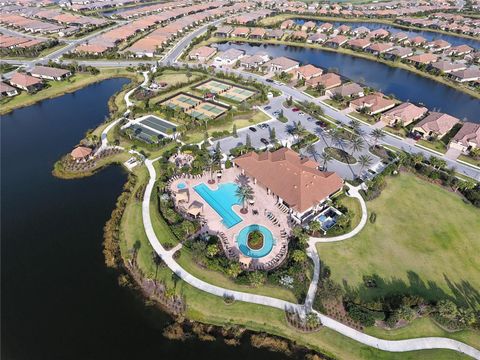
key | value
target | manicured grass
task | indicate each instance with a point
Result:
(335, 104)
(58, 88)
(434, 145)
(402, 132)
(425, 327)
(175, 77)
(353, 205)
(340, 155)
(469, 159)
(211, 309)
(362, 117)
(219, 279)
(424, 241)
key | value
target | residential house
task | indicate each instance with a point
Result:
(26, 82)
(361, 31)
(447, 67)
(257, 33)
(7, 90)
(399, 37)
(317, 38)
(380, 48)
(417, 41)
(281, 64)
(337, 41)
(203, 53)
(466, 75)
(309, 26)
(240, 32)
(349, 90)
(274, 34)
(306, 72)
(325, 81)
(325, 27)
(467, 138)
(436, 124)
(399, 53)
(359, 43)
(403, 114)
(379, 34)
(343, 29)
(293, 180)
(373, 103)
(254, 61)
(50, 73)
(299, 35)
(224, 31)
(438, 45)
(460, 50)
(422, 59)
(228, 57)
(287, 24)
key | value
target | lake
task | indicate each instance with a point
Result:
(429, 35)
(59, 301)
(404, 84)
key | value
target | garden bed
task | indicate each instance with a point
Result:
(340, 155)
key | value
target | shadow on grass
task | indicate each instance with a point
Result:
(464, 294)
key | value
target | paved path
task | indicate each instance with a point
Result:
(387, 345)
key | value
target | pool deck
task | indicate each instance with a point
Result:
(264, 203)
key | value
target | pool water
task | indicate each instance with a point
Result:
(181, 186)
(268, 241)
(222, 200)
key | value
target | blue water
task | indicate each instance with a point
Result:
(181, 186)
(222, 200)
(405, 85)
(268, 241)
(429, 35)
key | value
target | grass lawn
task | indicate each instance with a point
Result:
(219, 279)
(212, 309)
(434, 145)
(469, 159)
(402, 132)
(58, 88)
(425, 240)
(175, 77)
(362, 117)
(335, 104)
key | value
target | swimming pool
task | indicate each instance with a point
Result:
(221, 200)
(181, 186)
(268, 241)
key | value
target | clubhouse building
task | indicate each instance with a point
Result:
(300, 188)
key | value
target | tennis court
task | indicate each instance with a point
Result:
(210, 110)
(158, 124)
(145, 134)
(238, 94)
(182, 101)
(213, 86)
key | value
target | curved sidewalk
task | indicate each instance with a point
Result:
(386, 345)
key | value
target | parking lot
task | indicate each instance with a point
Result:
(262, 132)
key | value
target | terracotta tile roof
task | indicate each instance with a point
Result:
(436, 122)
(468, 134)
(426, 58)
(309, 70)
(49, 71)
(375, 102)
(80, 152)
(405, 113)
(295, 179)
(327, 80)
(24, 80)
(360, 43)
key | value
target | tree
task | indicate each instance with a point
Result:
(273, 135)
(188, 227)
(326, 158)
(244, 192)
(336, 137)
(212, 250)
(256, 278)
(365, 161)
(312, 151)
(234, 130)
(357, 144)
(313, 321)
(234, 269)
(299, 256)
(447, 309)
(467, 185)
(417, 159)
(377, 134)
(198, 250)
(248, 141)
(354, 124)
(314, 226)
(289, 101)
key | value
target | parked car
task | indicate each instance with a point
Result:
(269, 80)
(264, 141)
(251, 128)
(310, 118)
(267, 107)
(321, 123)
(301, 113)
(276, 113)
(295, 109)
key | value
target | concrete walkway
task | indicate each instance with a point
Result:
(387, 345)
(128, 94)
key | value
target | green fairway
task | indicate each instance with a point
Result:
(425, 241)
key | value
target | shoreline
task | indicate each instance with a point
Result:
(349, 52)
(366, 20)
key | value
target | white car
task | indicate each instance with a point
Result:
(301, 113)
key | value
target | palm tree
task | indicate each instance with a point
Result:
(365, 161)
(357, 144)
(244, 193)
(312, 151)
(326, 158)
(336, 137)
(354, 124)
(377, 134)
(417, 158)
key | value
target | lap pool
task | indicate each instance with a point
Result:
(268, 241)
(221, 200)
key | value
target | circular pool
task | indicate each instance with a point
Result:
(181, 186)
(268, 241)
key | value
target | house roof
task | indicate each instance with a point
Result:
(295, 179)
(205, 51)
(5, 87)
(470, 73)
(381, 47)
(231, 54)
(327, 80)
(24, 80)
(347, 89)
(426, 58)
(339, 39)
(49, 71)
(447, 65)
(80, 152)
(437, 122)
(374, 102)
(258, 32)
(241, 31)
(284, 62)
(407, 112)
(309, 70)
(359, 43)
(469, 133)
